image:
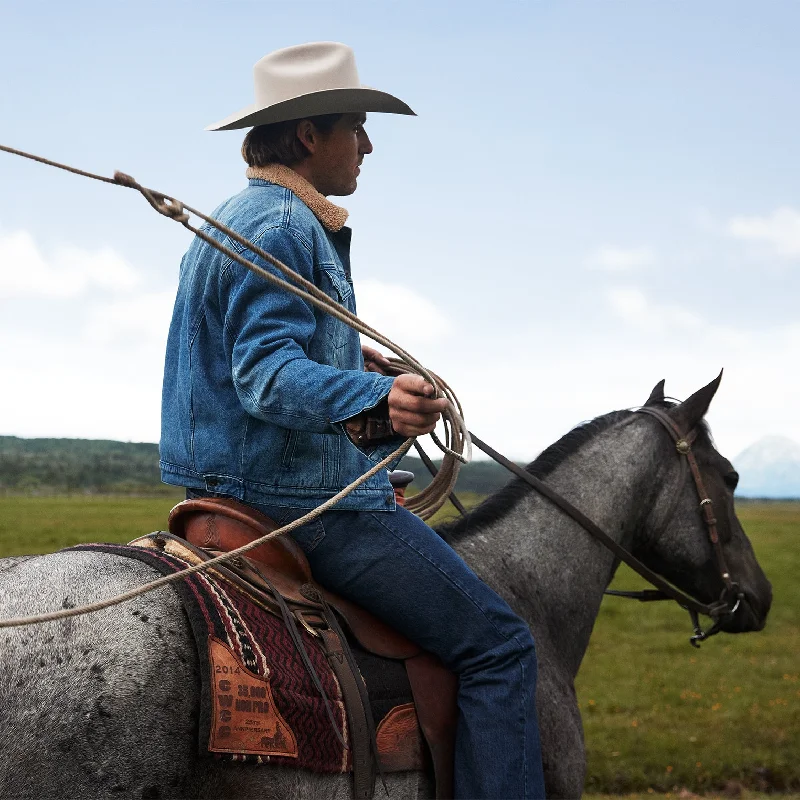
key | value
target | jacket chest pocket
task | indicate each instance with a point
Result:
(338, 287)
(340, 334)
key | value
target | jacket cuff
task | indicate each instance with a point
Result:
(368, 399)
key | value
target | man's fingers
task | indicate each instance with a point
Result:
(417, 403)
(413, 408)
(415, 384)
(416, 420)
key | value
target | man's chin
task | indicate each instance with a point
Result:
(344, 191)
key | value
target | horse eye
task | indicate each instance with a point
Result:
(732, 480)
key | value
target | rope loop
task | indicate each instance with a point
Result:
(172, 208)
(163, 203)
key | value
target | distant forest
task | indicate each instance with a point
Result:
(91, 466)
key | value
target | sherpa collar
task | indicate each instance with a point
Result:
(333, 217)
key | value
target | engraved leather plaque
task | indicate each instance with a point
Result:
(245, 719)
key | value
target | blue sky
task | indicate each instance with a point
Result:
(594, 196)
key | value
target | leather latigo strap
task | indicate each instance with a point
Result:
(358, 716)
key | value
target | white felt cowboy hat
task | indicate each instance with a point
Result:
(307, 80)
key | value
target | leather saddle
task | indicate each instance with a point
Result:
(280, 573)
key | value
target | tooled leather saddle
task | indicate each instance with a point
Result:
(280, 573)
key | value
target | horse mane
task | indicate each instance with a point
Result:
(501, 502)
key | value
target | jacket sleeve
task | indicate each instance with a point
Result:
(267, 331)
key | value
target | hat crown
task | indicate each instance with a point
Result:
(303, 69)
(309, 80)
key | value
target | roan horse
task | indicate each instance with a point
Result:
(105, 705)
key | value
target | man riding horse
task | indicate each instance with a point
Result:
(262, 392)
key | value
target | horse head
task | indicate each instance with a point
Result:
(694, 507)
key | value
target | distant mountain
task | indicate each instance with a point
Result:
(769, 468)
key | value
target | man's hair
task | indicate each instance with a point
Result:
(278, 143)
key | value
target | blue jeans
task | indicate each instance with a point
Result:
(394, 565)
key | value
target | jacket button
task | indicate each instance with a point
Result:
(211, 481)
(389, 499)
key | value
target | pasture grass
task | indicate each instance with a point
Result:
(661, 719)
(33, 525)
(659, 714)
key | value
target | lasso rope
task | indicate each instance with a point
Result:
(457, 437)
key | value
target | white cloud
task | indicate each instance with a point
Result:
(617, 259)
(780, 230)
(632, 305)
(139, 318)
(67, 272)
(69, 387)
(400, 313)
(82, 343)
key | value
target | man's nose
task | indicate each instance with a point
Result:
(364, 144)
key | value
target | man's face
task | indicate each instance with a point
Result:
(335, 162)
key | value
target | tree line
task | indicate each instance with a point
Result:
(94, 466)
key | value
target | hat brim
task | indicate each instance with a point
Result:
(329, 101)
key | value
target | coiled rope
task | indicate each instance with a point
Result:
(457, 437)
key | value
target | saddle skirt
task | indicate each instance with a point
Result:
(392, 736)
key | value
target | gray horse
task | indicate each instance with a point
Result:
(105, 705)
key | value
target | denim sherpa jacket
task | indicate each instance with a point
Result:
(257, 381)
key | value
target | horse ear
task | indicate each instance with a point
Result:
(657, 395)
(694, 408)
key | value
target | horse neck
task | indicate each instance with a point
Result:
(550, 570)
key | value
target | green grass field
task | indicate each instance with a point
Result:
(658, 713)
(659, 716)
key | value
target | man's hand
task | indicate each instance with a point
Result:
(374, 361)
(413, 409)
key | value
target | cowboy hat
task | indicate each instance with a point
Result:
(307, 80)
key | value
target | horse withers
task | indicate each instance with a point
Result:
(106, 705)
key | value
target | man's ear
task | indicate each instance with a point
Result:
(307, 133)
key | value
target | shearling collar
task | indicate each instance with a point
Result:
(333, 217)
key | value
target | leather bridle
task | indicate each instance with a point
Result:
(731, 595)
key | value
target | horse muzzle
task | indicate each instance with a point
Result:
(749, 614)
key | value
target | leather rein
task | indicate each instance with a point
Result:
(731, 595)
